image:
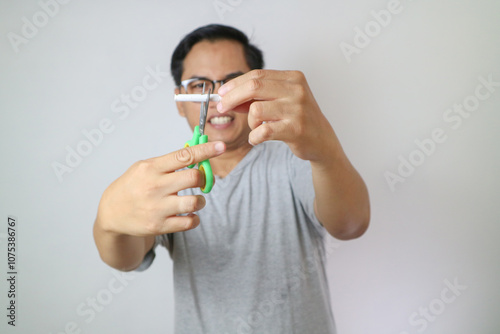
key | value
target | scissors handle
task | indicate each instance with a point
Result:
(204, 166)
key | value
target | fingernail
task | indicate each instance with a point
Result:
(190, 224)
(220, 147)
(250, 142)
(219, 107)
(202, 203)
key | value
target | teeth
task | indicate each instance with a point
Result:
(220, 120)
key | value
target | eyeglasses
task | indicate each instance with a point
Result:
(195, 85)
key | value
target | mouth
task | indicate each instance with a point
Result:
(220, 120)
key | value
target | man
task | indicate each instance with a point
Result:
(251, 260)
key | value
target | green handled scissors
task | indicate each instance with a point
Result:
(199, 137)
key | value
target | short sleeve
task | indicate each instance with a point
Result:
(148, 259)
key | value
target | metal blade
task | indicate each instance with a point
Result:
(204, 112)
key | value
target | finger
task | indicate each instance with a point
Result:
(257, 85)
(244, 107)
(172, 183)
(279, 130)
(188, 156)
(179, 223)
(177, 205)
(254, 74)
(268, 111)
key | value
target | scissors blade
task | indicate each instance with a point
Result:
(204, 113)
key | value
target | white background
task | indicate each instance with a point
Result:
(440, 225)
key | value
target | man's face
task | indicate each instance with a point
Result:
(216, 61)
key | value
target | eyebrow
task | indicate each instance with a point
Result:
(230, 75)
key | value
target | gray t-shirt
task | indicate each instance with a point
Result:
(255, 264)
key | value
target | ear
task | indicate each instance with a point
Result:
(180, 105)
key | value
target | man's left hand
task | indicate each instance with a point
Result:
(281, 106)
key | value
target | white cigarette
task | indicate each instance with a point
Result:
(196, 97)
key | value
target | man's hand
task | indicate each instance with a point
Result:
(144, 201)
(280, 106)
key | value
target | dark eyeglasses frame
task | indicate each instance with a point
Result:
(185, 83)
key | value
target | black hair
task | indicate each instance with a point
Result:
(213, 32)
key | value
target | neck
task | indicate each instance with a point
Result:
(225, 163)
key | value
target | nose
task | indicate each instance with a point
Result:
(212, 105)
(216, 86)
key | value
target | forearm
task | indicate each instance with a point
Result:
(120, 251)
(341, 202)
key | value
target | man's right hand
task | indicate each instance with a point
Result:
(144, 201)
